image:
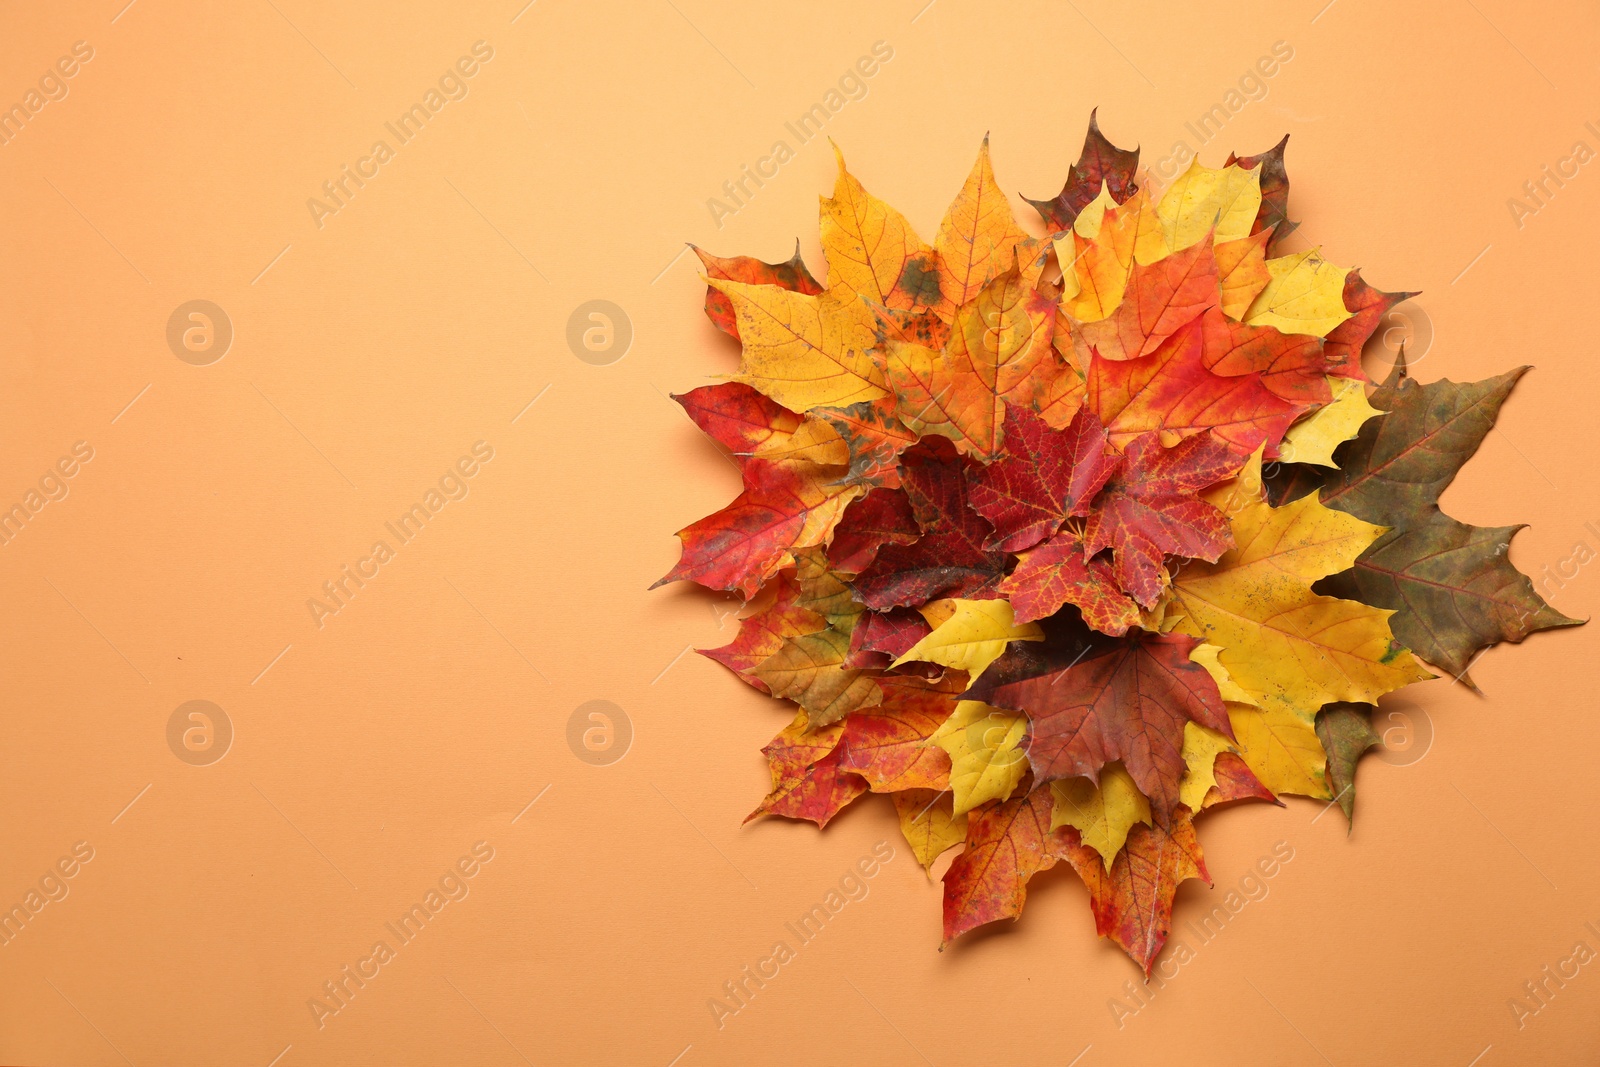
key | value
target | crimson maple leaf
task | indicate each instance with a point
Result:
(881, 517)
(1043, 477)
(1150, 507)
(1061, 572)
(951, 559)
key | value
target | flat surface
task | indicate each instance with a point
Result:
(375, 345)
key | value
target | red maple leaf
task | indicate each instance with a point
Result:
(881, 517)
(1151, 507)
(744, 544)
(1041, 477)
(1290, 365)
(808, 781)
(1133, 902)
(881, 637)
(951, 558)
(1124, 699)
(1172, 389)
(888, 744)
(1060, 572)
(1235, 781)
(1345, 341)
(736, 416)
(1007, 844)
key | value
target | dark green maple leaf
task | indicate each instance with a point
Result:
(1345, 731)
(1451, 585)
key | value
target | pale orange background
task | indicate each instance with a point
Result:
(428, 713)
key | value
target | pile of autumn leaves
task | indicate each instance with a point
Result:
(1008, 544)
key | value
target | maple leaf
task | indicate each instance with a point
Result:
(813, 441)
(1345, 731)
(987, 760)
(1007, 844)
(1101, 165)
(1044, 477)
(1367, 307)
(1172, 390)
(881, 517)
(1160, 297)
(784, 506)
(1241, 272)
(1151, 507)
(972, 635)
(1452, 586)
(1102, 812)
(737, 417)
(872, 250)
(804, 351)
(791, 275)
(1293, 367)
(874, 437)
(928, 824)
(997, 343)
(1273, 216)
(1124, 699)
(1060, 572)
(1313, 438)
(811, 670)
(1291, 649)
(950, 559)
(1235, 781)
(888, 745)
(1221, 203)
(765, 631)
(824, 591)
(1201, 747)
(807, 779)
(979, 235)
(1304, 294)
(1102, 255)
(881, 637)
(1133, 901)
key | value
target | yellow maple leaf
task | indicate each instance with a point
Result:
(969, 634)
(871, 249)
(986, 756)
(929, 824)
(1201, 747)
(1290, 649)
(1103, 813)
(1313, 438)
(1206, 655)
(1280, 746)
(1087, 224)
(804, 351)
(978, 235)
(1204, 199)
(813, 441)
(1304, 294)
